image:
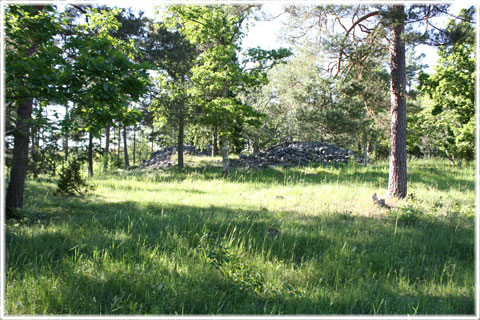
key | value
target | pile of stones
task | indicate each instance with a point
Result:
(163, 157)
(290, 154)
(287, 154)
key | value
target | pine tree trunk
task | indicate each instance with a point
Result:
(18, 172)
(397, 179)
(180, 140)
(224, 146)
(90, 154)
(125, 148)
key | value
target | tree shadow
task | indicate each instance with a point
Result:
(429, 176)
(346, 254)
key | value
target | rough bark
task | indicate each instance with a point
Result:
(397, 178)
(18, 172)
(90, 154)
(181, 130)
(107, 147)
(125, 148)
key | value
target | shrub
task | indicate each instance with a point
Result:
(71, 181)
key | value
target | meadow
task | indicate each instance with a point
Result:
(270, 241)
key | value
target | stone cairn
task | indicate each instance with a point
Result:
(290, 154)
(287, 154)
(163, 157)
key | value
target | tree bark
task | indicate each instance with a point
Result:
(18, 172)
(224, 148)
(125, 148)
(134, 143)
(34, 153)
(180, 141)
(65, 144)
(397, 178)
(65, 147)
(90, 154)
(365, 153)
(119, 142)
(215, 143)
(256, 146)
(107, 148)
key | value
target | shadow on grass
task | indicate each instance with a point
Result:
(342, 174)
(149, 258)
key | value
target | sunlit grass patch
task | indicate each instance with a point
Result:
(195, 242)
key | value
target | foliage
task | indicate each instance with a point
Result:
(101, 78)
(34, 76)
(71, 181)
(218, 76)
(448, 118)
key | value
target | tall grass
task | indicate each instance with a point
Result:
(195, 242)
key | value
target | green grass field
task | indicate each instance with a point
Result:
(194, 242)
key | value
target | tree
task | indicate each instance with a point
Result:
(103, 78)
(174, 56)
(31, 61)
(218, 76)
(449, 118)
(368, 27)
(88, 68)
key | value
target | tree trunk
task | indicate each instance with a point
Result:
(181, 128)
(65, 145)
(397, 178)
(224, 146)
(365, 153)
(215, 143)
(119, 141)
(256, 146)
(90, 154)
(134, 143)
(152, 137)
(125, 148)
(34, 153)
(107, 148)
(18, 172)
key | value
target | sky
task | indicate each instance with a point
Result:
(265, 33)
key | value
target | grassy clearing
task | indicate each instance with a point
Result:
(194, 242)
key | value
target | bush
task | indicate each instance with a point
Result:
(71, 181)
